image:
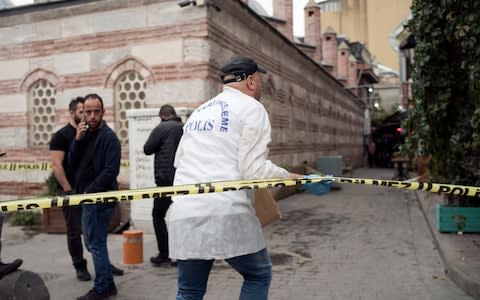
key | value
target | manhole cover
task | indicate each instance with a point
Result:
(50, 276)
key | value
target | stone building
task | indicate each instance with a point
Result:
(146, 53)
(375, 24)
(371, 22)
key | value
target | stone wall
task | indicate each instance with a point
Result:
(85, 46)
(82, 47)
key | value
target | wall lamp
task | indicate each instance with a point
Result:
(185, 3)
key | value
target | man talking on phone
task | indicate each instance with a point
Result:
(95, 155)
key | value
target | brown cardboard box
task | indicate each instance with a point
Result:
(266, 207)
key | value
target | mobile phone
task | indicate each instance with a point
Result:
(84, 120)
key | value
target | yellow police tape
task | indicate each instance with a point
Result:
(223, 186)
(38, 166)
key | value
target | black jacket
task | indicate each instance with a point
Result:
(106, 160)
(163, 142)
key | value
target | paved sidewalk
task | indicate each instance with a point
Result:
(297, 246)
(460, 253)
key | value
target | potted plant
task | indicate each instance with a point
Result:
(445, 114)
(421, 162)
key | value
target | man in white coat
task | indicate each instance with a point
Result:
(226, 138)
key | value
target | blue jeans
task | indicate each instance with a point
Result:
(95, 221)
(255, 268)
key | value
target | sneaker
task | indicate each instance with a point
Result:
(94, 295)
(9, 268)
(158, 260)
(116, 271)
(83, 275)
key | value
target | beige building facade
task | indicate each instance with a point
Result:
(146, 53)
(372, 22)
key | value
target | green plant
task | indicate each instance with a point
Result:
(444, 123)
(25, 218)
(51, 185)
(33, 217)
(460, 222)
(378, 112)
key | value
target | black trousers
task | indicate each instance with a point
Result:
(2, 217)
(160, 207)
(73, 219)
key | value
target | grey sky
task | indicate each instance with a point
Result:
(298, 5)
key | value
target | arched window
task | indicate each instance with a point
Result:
(129, 94)
(41, 110)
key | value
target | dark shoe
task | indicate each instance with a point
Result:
(83, 275)
(82, 271)
(94, 295)
(116, 271)
(9, 268)
(158, 260)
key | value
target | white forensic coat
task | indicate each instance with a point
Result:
(226, 138)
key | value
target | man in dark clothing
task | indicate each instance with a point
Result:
(59, 148)
(95, 156)
(7, 268)
(163, 142)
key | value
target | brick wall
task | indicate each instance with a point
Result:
(311, 113)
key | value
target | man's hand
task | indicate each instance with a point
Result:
(295, 176)
(57, 166)
(82, 128)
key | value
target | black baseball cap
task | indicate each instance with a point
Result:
(241, 67)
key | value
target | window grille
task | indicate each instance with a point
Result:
(129, 94)
(41, 112)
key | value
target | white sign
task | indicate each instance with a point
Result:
(141, 123)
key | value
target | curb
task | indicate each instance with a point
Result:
(460, 278)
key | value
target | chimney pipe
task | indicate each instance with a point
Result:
(313, 33)
(283, 10)
(329, 46)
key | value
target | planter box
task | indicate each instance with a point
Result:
(445, 218)
(54, 221)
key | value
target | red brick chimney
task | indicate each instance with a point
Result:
(329, 45)
(352, 72)
(283, 10)
(313, 32)
(342, 60)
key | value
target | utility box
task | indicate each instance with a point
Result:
(330, 165)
